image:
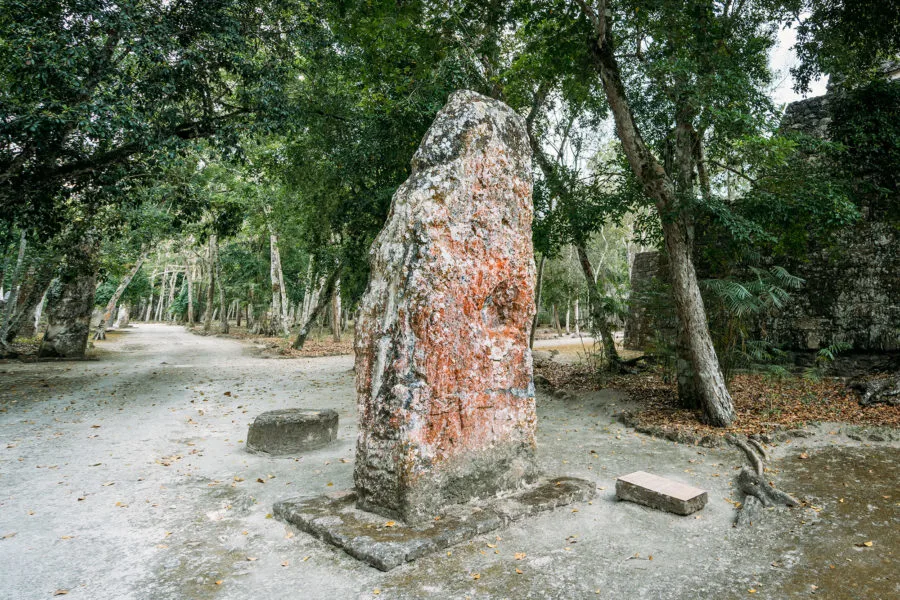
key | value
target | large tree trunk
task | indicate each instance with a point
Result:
(279, 294)
(9, 308)
(320, 298)
(598, 315)
(70, 303)
(674, 214)
(109, 314)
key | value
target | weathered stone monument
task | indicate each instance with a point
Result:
(446, 401)
(444, 373)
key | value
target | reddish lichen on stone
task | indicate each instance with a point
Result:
(444, 374)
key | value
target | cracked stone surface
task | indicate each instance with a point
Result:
(444, 373)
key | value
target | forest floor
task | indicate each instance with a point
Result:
(126, 477)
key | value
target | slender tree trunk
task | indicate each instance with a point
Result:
(162, 292)
(577, 317)
(149, 312)
(537, 300)
(221, 288)
(70, 304)
(321, 295)
(190, 292)
(556, 324)
(598, 315)
(336, 311)
(167, 312)
(675, 216)
(210, 285)
(12, 301)
(279, 294)
(568, 311)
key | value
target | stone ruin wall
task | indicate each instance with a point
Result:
(852, 290)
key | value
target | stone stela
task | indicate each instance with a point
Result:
(444, 375)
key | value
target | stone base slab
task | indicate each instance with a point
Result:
(384, 544)
(660, 493)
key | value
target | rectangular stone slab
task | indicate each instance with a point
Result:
(385, 544)
(661, 493)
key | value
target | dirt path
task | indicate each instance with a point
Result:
(127, 477)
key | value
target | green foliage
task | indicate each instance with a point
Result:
(865, 123)
(95, 95)
(847, 39)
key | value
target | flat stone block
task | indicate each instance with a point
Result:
(660, 493)
(292, 430)
(384, 544)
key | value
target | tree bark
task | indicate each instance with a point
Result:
(279, 294)
(70, 303)
(189, 273)
(336, 311)
(162, 292)
(674, 214)
(537, 300)
(223, 312)
(210, 285)
(321, 296)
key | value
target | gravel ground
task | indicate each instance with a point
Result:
(126, 477)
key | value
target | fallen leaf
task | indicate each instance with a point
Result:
(376, 591)
(284, 564)
(306, 558)
(390, 524)
(219, 582)
(519, 555)
(864, 544)
(476, 576)
(251, 558)
(289, 535)
(9, 535)
(519, 571)
(751, 591)
(804, 455)
(260, 480)
(60, 592)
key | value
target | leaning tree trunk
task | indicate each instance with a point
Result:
(109, 314)
(598, 315)
(322, 293)
(162, 292)
(658, 185)
(12, 301)
(279, 294)
(70, 303)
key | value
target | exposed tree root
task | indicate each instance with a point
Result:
(758, 493)
(878, 390)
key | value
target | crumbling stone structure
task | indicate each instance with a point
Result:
(852, 290)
